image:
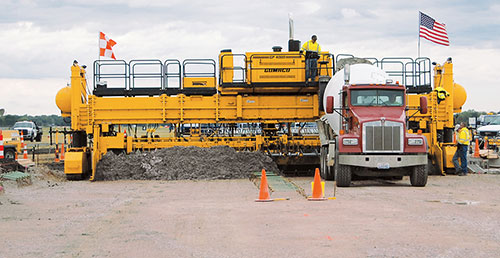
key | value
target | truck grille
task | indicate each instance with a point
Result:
(23, 131)
(382, 138)
(488, 133)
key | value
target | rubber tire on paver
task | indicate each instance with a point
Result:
(10, 154)
(432, 169)
(74, 177)
(325, 171)
(343, 175)
(418, 176)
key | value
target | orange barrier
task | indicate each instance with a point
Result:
(264, 189)
(23, 145)
(1, 145)
(56, 152)
(317, 193)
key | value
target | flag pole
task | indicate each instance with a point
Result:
(419, 20)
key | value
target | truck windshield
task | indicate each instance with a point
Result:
(495, 121)
(377, 98)
(22, 124)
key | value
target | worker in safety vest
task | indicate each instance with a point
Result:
(441, 94)
(463, 141)
(311, 49)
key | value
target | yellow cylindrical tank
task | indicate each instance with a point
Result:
(459, 97)
(63, 100)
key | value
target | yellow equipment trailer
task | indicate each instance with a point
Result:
(12, 144)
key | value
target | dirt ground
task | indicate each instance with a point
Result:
(451, 217)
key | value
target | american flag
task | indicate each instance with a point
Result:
(432, 30)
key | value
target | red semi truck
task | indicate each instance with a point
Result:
(364, 130)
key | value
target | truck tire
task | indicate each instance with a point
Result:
(418, 176)
(343, 175)
(10, 154)
(325, 171)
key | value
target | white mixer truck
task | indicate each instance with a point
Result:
(363, 131)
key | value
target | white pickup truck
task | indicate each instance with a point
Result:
(490, 129)
(31, 131)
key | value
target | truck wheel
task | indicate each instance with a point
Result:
(418, 176)
(325, 171)
(10, 154)
(343, 175)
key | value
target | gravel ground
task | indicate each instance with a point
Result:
(451, 217)
(178, 163)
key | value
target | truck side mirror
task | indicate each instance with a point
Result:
(423, 105)
(329, 104)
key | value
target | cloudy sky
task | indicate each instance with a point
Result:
(40, 39)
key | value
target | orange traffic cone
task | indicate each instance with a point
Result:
(317, 194)
(476, 149)
(264, 189)
(62, 151)
(25, 152)
(125, 133)
(485, 146)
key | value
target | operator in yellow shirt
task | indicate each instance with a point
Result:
(441, 94)
(311, 49)
(463, 141)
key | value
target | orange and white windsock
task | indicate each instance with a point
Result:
(106, 46)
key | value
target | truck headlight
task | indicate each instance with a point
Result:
(415, 141)
(350, 141)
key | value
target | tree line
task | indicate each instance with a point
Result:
(43, 120)
(464, 116)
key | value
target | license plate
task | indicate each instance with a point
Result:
(383, 166)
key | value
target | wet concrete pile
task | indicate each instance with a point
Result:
(180, 163)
